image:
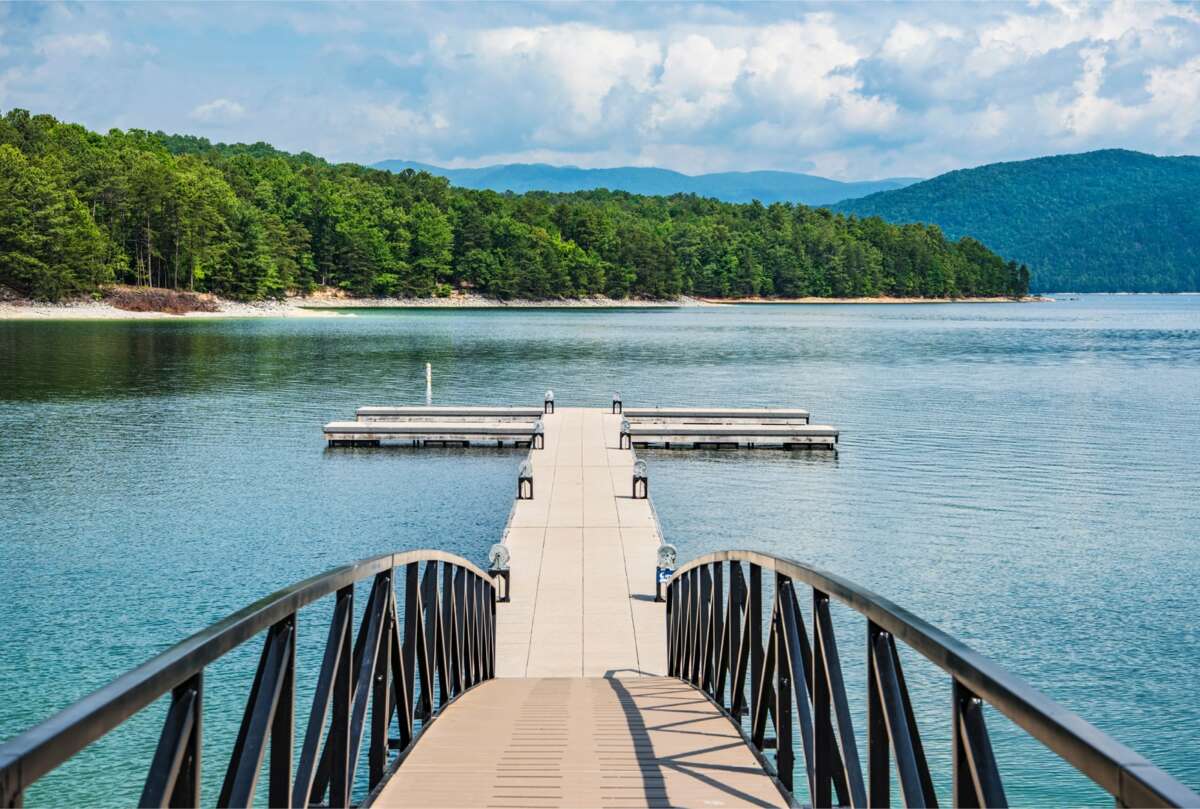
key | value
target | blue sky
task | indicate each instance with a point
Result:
(851, 91)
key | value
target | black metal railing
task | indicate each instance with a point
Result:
(406, 665)
(716, 642)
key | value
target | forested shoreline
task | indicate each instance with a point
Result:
(81, 210)
(1111, 220)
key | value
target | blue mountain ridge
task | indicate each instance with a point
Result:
(732, 186)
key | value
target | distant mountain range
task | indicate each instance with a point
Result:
(732, 186)
(1105, 221)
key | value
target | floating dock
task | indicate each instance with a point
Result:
(425, 433)
(716, 415)
(452, 413)
(717, 436)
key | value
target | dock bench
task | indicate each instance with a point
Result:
(750, 436)
(424, 433)
(448, 413)
(717, 415)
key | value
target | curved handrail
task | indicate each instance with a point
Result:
(1126, 775)
(33, 753)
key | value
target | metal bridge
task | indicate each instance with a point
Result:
(563, 682)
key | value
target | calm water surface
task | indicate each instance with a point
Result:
(1025, 476)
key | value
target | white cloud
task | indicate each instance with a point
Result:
(860, 91)
(85, 45)
(1175, 92)
(697, 81)
(220, 111)
(584, 64)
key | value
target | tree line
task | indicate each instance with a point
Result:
(79, 210)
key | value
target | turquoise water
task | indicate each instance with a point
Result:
(1024, 476)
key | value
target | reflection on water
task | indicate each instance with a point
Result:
(1022, 475)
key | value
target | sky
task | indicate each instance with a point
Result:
(850, 90)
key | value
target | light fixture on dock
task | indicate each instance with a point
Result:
(641, 483)
(549, 406)
(618, 407)
(539, 436)
(665, 568)
(626, 438)
(525, 481)
(498, 558)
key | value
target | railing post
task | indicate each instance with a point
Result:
(381, 709)
(408, 648)
(976, 778)
(343, 695)
(785, 756)
(705, 671)
(266, 693)
(845, 767)
(283, 729)
(431, 652)
(737, 603)
(174, 777)
(879, 767)
(717, 678)
(694, 637)
(670, 613)
(756, 638)
(822, 718)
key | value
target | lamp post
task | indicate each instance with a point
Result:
(549, 405)
(525, 481)
(641, 483)
(665, 569)
(498, 558)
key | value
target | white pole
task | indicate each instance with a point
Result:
(428, 384)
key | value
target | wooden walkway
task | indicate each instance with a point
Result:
(583, 554)
(581, 742)
(580, 714)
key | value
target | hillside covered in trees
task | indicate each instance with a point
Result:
(1106, 221)
(79, 210)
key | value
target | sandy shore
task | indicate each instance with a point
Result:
(726, 301)
(98, 310)
(301, 307)
(338, 307)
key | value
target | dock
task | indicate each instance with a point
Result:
(718, 436)
(715, 415)
(425, 433)
(581, 712)
(444, 413)
(583, 557)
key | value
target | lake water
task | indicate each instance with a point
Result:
(1025, 476)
